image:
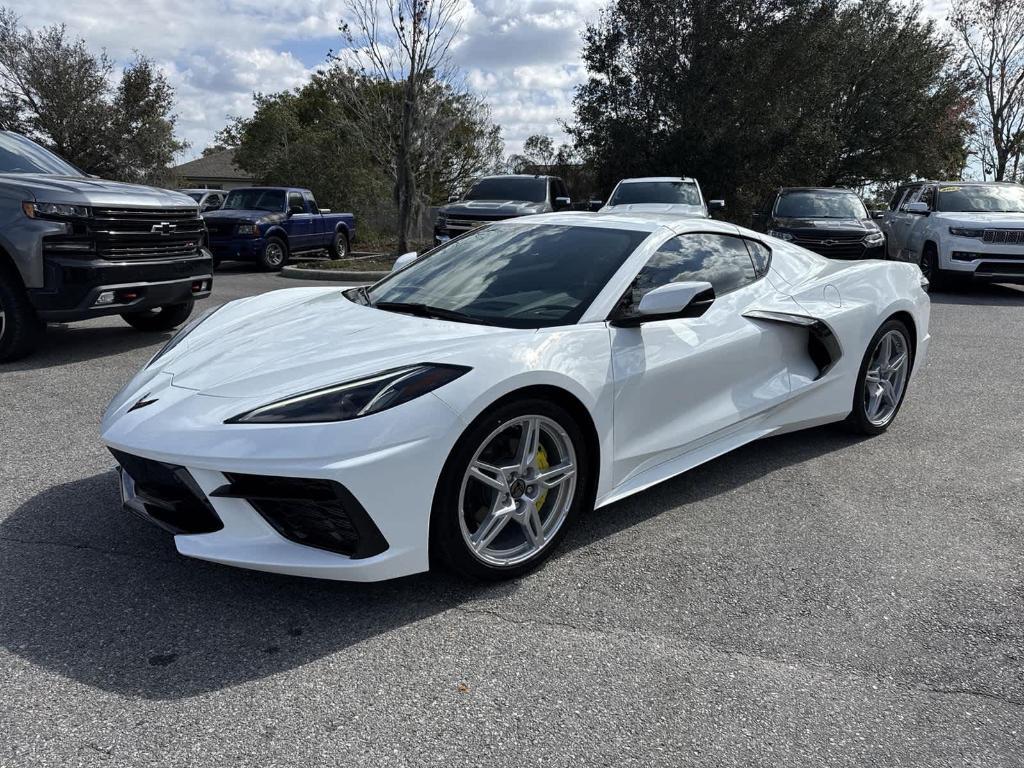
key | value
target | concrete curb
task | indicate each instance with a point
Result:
(332, 275)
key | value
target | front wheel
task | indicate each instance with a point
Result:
(937, 278)
(514, 483)
(20, 327)
(275, 254)
(882, 379)
(161, 318)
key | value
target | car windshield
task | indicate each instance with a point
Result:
(20, 155)
(255, 200)
(530, 190)
(674, 192)
(197, 196)
(820, 205)
(514, 275)
(992, 198)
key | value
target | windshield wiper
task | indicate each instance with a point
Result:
(426, 310)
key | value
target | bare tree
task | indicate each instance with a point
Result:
(399, 51)
(992, 32)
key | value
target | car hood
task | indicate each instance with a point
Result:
(239, 215)
(298, 339)
(838, 226)
(968, 219)
(679, 208)
(496, 207)
(85, 190)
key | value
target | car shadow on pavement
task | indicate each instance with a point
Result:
(988, 294)
(102, 598)
(63, 345)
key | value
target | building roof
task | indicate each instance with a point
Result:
(216, 165)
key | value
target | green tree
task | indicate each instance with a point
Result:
(59, 93)
(755, 94)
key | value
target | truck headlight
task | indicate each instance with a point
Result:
(874, 238)
(780, 234)
(353, 399)
(55, 210)
(442, 220)
(966, 232)
(248, 229)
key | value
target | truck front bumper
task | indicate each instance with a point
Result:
(77, 289)
(237, 248)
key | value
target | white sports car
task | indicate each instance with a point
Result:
(468, 407)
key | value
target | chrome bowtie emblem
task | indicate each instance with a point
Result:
(163, 228)
(828, 242)
(143, 402)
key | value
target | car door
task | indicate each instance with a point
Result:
(918, 224)
(681, 382)
(299, 225)
(318, 236)
(900, 223)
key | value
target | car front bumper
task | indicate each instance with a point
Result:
(77, 289)
(972, 258)
(388, 465)
(237, 248)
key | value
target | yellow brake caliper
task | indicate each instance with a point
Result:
(541, 463)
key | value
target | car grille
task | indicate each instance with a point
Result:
(220, 228)
(317, 513)
(123, 234)
(1001, 236)
(833, 246)
(169, 494)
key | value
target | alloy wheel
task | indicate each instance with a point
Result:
(274, 254)
(517, 490)
(886, 378)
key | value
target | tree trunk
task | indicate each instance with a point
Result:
(405, 179)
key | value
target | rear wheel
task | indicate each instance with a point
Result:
(275, 254)
(882, 379)
(20, 327)
(161, 318)
(338, 249)
(511, 488)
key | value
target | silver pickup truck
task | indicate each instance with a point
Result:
(74, 247)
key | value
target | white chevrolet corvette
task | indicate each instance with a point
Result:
(467, 408)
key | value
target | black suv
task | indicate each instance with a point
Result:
(494, 198)
(831, 221)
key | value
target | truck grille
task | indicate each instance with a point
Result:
(833, 246)
(146, 233)
(1000, 236)
(465, 222)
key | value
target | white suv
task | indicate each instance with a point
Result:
(660, 194)
(958, 229)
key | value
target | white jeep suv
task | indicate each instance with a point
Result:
(958, 229)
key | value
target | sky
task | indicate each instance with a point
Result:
(522, 55)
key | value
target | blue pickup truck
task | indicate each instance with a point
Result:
(268, 225)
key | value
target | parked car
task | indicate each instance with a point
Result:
(957, 229)
(496, 198)
(470, 407)
(208, 199)
(73, 247)
(831, 221)
(269, 225)
(660, 194)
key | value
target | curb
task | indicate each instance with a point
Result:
(332, 275)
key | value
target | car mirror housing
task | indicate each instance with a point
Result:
(918, 207)
(404, 260)
(716, 205)
(670, 301)
(596, 205)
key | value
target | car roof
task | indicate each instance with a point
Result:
(638, 179)
(633, 220)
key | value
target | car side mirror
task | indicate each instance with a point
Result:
(716, 205)
(595, 205)
(918, 208)
(562, 202)
(404, 260)
(878, 214)
(673, 300)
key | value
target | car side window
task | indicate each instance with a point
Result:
(295, 201)
(311, 203)
(721, 260)
(928, 196)
(897, 198)
(761, 255)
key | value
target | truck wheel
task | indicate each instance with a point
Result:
(338, 249)
(161, 318)
(275, 255)
(20, 327)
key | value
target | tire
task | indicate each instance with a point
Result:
(892, 382)
(338, 249)
(20, 327)
(160, 319)
(929, 263)
(464, 501)
(274, 255)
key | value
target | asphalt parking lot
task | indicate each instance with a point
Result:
(813, 599)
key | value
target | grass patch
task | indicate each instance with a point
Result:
(358, 264)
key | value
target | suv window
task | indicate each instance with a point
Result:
(897, 198)
(927, 196)
(295, 201)
(721, 260)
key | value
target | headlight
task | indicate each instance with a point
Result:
(179, 337)
(248, 229)
(874, 238)
(442, 220)
(55, 211)
(779, 234)
(966, 232)
(355, 398)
